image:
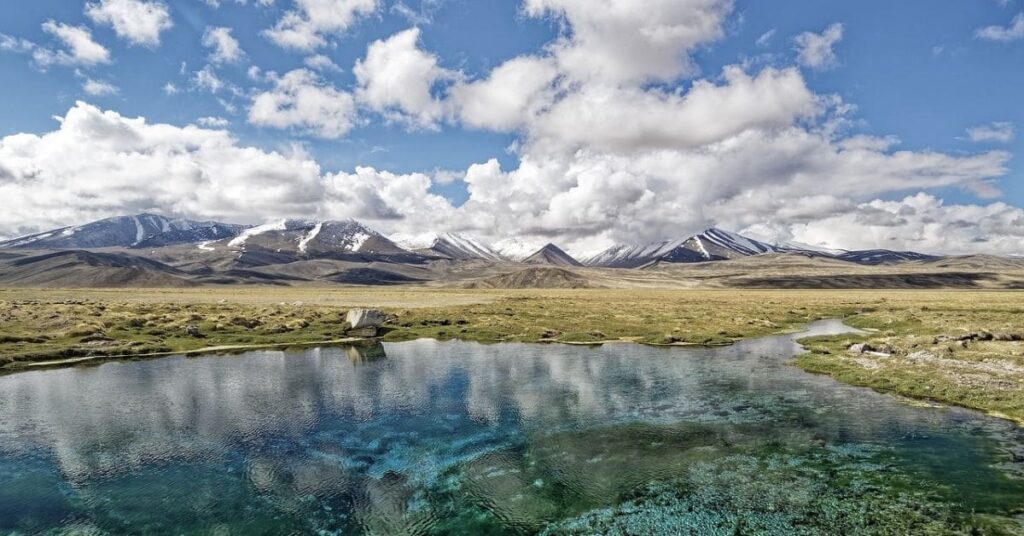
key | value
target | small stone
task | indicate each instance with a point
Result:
(550, 334)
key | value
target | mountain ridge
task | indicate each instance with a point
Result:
(279, 240)
(120, 231)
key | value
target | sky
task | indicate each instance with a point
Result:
(587, 123)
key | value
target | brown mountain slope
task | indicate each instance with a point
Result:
(540, 277)
(90, 269)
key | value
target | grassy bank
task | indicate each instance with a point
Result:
(917, 334)
(966, 351)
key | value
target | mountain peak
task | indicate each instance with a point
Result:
(123, 231)
(553, 255)
(303, 236)
(451, 245)
(711, 244)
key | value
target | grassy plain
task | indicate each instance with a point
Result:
(914, 336)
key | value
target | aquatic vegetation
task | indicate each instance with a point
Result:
(819, 493)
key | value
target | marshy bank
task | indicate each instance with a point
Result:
(931, 353)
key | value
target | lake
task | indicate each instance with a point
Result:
(431, 437)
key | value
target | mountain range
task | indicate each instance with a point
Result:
(353, 240)
(153, 250)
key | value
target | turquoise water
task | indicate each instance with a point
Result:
(432, 437)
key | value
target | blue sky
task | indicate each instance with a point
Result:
(914, 69)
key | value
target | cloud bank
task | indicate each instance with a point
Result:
(619, 140)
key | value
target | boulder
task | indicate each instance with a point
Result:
(367, 332)
(365, 318)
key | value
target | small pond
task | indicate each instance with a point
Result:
(431, 437)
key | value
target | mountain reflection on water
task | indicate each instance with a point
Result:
(450, 437)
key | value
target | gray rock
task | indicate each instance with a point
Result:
(884, 349)
(365, 318)
(367, 332)
(976, 336)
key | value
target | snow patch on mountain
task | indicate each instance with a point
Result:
(240, 240)
(734, 242)
(412, 242)
(357, 241)
(304, 242)
(516, 249)
(140, 231)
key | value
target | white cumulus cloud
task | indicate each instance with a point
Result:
(304, 26)
(99, 87)
(99, 163)
(136, 21)
(511, 94)
(1002, 132)
(396, 78)
(1004, 34)
(632, 40)
(817, 50)
(80, 48)
(301, 101)
(224, 48)
(213, 122)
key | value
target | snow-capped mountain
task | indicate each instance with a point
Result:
(552, 255)
(288, 240)
(873, 257)
(800, 247)
(456, 246)
(213, 233)
(315, 237)
(516, 249)
(710, 245)
(125, 231)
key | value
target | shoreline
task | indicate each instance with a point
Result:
(25, 366)
(910, 399)
(958, 348)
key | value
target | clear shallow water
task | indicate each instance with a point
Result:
(432, 437)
